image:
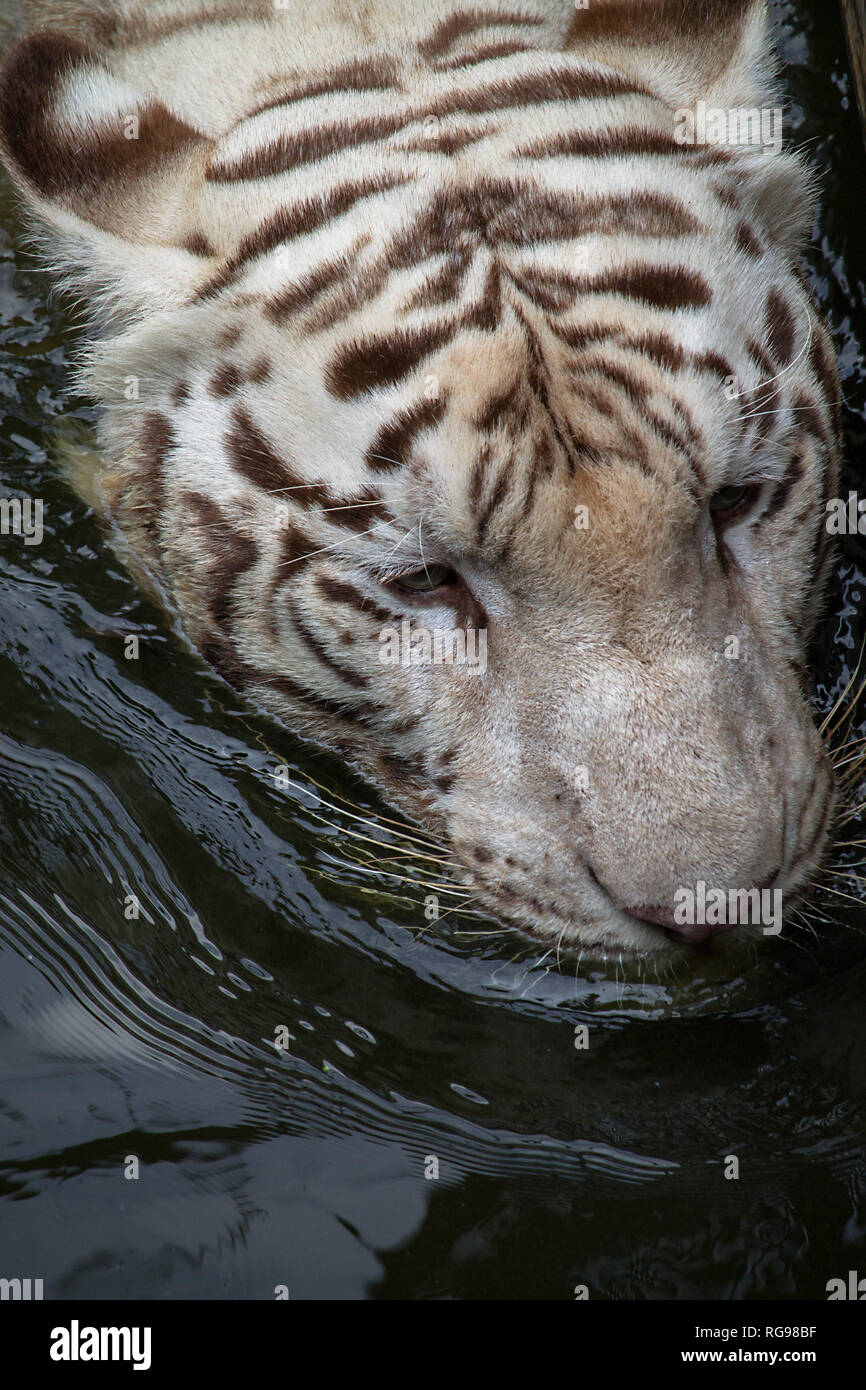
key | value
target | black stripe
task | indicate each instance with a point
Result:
(536, 89)
(368, 364)
(233, 552)
(393, 442)
(297, 220)
(495, 500)
(484, 55)
(661, 287)
(364, 75)
(358, 513)
(319, 650)
(340, 592)
(457, 26)
(612, 144)
(314, 282)
(253, 456)
(286, 152)
(783, 489)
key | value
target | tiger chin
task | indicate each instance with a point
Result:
(441, 323)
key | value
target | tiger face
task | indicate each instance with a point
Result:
(478, 426)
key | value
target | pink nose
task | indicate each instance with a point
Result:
(692, 933)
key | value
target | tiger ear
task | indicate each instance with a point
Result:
(106, 167)
(718, 51)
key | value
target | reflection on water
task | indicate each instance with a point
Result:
(233, 981)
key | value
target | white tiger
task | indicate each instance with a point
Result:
(441, 321)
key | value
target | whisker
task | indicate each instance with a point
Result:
(826, 888)
(826, 728)
(395, 463)
(325, 548)
(429, 843)
(806, 346)
(401, 878)
(352, 507)
(399, 543)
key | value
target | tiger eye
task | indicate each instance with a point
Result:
(725, 498)
(427, 579)
(730, 500)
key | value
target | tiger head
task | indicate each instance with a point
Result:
(475, 418)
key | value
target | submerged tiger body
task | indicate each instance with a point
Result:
(441, 320)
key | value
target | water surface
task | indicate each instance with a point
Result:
(264, 908)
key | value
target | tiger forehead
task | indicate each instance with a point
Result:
(451, 158)
(599, 393)
(483, 251)
(604, 389)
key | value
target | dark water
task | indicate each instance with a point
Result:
(266, 908)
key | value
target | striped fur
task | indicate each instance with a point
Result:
(402, 287)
